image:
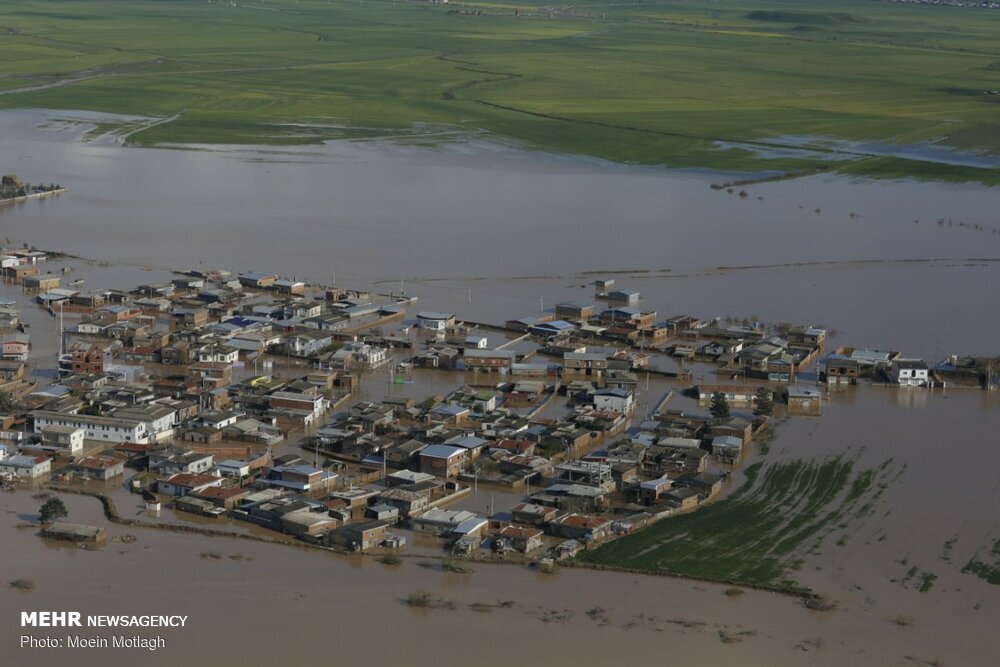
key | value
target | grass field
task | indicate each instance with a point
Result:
(759, 534)
(647, 83)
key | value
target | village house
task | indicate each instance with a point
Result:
(362, 536)
(109, 429)
(580, 527)
(360, 355)
(613, 400)
(736, 426)
(737, 395)
(727, 448)
(533, 515)
(307, 343)
(575, 310)
(624, 316)
(682, 498)
(87, 361)
(454, 523)
(41, 283)
(15, 348)
(183, 483)
(442, 460)
(552, 328)
(652, 490)
(522, 539)
(483, 366)
(435, 321)
(300, 477)
(173, 460)
(624, 297)
(78, 533)
(257, 279)
(910, 373)
(26, 466)
(293, 287)
(406, 500)
(226, 497)
(67, 439)
(159, 418)
(804, 401)
(585, 364)
(102, 467)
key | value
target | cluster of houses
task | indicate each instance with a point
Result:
(156, 393)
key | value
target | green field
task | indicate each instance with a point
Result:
(759, 534)
(633, 82)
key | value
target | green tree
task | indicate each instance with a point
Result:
(53, 510)
(719, 406)
(6, 402)
(763, 402)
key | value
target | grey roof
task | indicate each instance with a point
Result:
(440, 451)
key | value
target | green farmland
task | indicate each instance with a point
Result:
(758, 535)
(734, 86)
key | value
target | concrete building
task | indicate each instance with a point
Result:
(106, 429)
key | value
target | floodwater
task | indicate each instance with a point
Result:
(490, 232)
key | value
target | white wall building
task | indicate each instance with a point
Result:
(616, 400)
(427, 319)
(911, 373)
(108, 429)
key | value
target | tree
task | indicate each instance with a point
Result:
(719, 406)
(763, 402)
(6, 403)
(53, 510)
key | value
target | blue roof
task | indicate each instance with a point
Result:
(440, 451)
(468, 442)
(257, 275)
(558, 325)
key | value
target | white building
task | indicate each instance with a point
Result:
(29, 467)
(356, 354)
(223, 354)
(107, 429)
(183, 484)
(475, 342)
(233, 468)
(427, 319)
(160, 419)
(62, 438)
(615, 400)
(911, 373)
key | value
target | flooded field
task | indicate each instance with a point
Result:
(575, 615)
(490, 233)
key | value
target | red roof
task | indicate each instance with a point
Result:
(516, 532)
(222, 492)
(582, 521)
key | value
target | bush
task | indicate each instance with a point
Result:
(23, 584)
(456, 566)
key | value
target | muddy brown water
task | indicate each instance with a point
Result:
(489, 218)
(522, 231)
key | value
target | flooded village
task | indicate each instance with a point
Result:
(236, 397)
(448, 453)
